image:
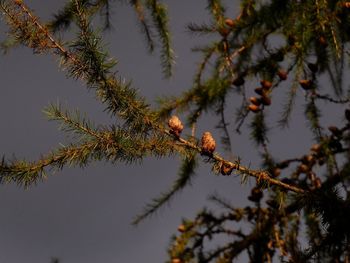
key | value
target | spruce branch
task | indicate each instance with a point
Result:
(242, 112)
(159, 16)
(121, 98)
(63, 18)
(208, 53)
(71, 122)
(67, 15)
(145, 27)
(114, 144)
(106, 12)
(25, 173)
(225, 139)
(288, 108)
(262, 176)
(259, 129)
(244, 50)
(88, 62)
(26, 28)
(313, 115)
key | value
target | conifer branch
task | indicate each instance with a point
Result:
(159, 15)
(217, 10)
(208, 53)
(312, 38)
(242, 113)
(113, 145)
(202, 29)
(186, 173)
(71, 123)
(145, 27)
(27, 173)
(32, 34)
(283, 122)
(225, 139)
(262, 176)
(120, 97)
(106, 13)
(63, 18)
(89, 63)
(313, 114)
(259, 129)
(330, 99)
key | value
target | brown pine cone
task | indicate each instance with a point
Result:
(208, 143)
(265, 84)
(226, 169)
(254, 100)
(306, 84)
(254, 108)
(282, 74)
(230, 22)
(175, 125)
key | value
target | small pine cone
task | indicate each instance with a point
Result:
(317, 183)
(208, 143)
(265, 84)
(321, 161)
(259, 91)
(303, 168)
(283, 165)
(175, 125)
(315, 148)
(265, 100)
(226, 169)
(335, 131)
(230, 22)
(255, 195)
(322, 40)
(224, 32)
(239, 81)
(181, 228)
(276, 172)
(282, 74)
(308, 159)
(254, 100)
(306, 84)
(254, 108)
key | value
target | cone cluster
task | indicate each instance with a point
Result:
(263, 99)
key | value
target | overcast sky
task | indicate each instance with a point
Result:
(84, 215)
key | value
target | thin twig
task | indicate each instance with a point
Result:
(259, 175)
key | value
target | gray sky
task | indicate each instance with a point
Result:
(84, 215)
